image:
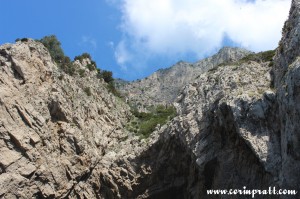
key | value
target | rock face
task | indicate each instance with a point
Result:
(226, 124)
(287, 81)
(65, 137)
(56, 131)
(237, 126)
(163, 86)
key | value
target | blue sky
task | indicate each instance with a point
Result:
(134, 38)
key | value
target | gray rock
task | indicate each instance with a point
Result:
(163, 86)
(43, 151)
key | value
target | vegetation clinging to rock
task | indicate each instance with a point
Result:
(260, 57)
(87, 91)
(265, 56)
(54, 47)
(92, 66)
(106, 75)
(64, 62)
(143, 124)
(83, 56)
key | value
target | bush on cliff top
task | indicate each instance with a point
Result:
(92, 66)
(54, 46)
(64, 62)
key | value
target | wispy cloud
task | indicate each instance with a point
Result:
(122, 55)
(88, 41)
(176, 27)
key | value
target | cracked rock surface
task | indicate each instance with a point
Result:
(54, 139)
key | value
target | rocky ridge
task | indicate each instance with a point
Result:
(286, 81)
(163, 86)
(57, 133)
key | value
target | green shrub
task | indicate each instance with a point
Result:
(57, 54)
(111, 88)
(64, 62)
(91, 67)
(260, 57)
(147, 127)
(94, 63)
(266, 56)
(61, 77)
(81, 72)
(106, 76)
(67, 66)
(145, 123)
(69, 69)
(87, 91)
(24, 40)
(54, 47)
(83, 56)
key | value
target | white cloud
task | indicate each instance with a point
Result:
(111, 44)
(177, 27)
(122, 55)
(88, 41)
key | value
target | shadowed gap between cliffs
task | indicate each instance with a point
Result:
(175, 174)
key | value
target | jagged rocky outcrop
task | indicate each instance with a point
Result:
(163, 86)
(227, 127)
(286, 81)
(58, 134)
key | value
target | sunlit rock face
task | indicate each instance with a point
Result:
(163, 86)
(54, 137)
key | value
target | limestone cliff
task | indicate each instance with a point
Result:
(57, 133)
(163, 86)
(286, 81)
(238, 125)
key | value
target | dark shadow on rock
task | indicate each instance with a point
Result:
(175, 172)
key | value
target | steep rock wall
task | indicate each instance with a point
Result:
(286, 82)
(226, 131)
(163, 86)
(238, 125)
(56, 139)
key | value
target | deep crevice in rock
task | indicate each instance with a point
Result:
(23, 117)
(210, 169)
(56, 111)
